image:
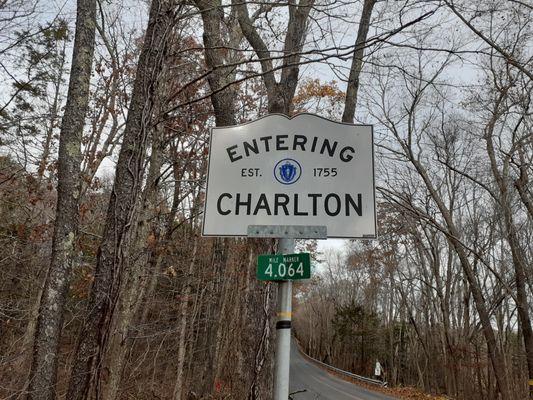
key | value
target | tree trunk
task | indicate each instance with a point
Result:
(183, 319)
(222, 99)
(88, 373)
(43, 372)
(220, 78)
(134, 279)
(357, 62)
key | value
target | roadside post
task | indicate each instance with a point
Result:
(283, 330)
(283, 268)
(304, 177)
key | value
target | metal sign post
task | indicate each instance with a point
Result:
(283, 330)
(286, 235)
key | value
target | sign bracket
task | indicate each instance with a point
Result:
(288, 231)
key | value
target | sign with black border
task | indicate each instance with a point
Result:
(304, 170)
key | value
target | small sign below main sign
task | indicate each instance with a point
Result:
(283, 267)
(305, 170)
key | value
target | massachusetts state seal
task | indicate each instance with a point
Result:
(287, 171)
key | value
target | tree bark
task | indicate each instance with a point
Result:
(183, 319)
(43, 373)
(223, 101)
(220, 78)
(88, 373)
(357, 62)
(135, 274)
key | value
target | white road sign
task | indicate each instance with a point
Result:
(304, 170)
(377, 369)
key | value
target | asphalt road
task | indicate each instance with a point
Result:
(320, 385)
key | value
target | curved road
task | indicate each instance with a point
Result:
(320, 385)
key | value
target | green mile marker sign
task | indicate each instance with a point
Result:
(283, 267)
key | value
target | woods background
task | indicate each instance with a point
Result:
(107, 289)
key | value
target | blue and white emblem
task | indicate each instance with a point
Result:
(287, 171)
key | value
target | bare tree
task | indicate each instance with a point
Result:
(50, 320)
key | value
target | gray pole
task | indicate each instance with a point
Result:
(283, 330)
